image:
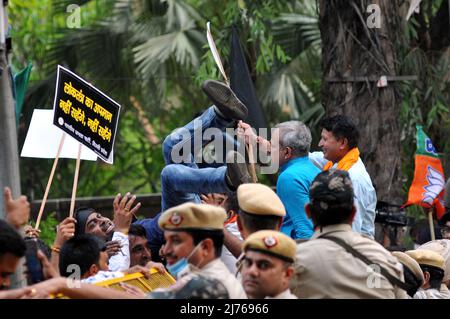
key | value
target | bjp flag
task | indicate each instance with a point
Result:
(427, 188)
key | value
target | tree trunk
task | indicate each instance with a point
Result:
(351, 48)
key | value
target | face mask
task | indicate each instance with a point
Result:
(177, 267)
(182, 265)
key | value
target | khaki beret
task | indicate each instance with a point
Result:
(259, 199)
(273, 243)
(442, 247)
(427, 258)
(193, 216)
(409, 263)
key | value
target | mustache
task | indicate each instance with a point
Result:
(251, 281)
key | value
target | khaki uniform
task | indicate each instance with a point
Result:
(275, 244)
(192, 217)
(216, 269)
(257, 199)
(442, 247)
(323, 269)
(426, 257)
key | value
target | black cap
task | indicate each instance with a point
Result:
(332, 187)
(445, 218)
(81, 215)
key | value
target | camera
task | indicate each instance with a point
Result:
(33, 264)
(389, 214)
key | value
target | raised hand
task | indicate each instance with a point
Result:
(31, 232)
(64, 231)
(244, 130)
(215, 199)
(124, 211)
(17, 210)
(113, 248)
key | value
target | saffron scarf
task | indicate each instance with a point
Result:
(346, 162)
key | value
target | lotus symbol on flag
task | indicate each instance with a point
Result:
(435, 186)
(429, 147)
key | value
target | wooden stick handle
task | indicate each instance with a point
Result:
(252, 164)
(430, 220)
(75, 183)
(50, 179)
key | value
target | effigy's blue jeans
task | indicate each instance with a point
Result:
(182, 180)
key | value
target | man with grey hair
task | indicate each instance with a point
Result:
(289, 147)
(339, 143)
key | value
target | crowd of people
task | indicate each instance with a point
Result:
(222, 235)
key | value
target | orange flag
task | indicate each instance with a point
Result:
(427, 188)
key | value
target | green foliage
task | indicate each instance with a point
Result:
(156, 52)
(425, 100)
(48, 228)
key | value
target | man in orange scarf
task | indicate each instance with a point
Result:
(339, 143)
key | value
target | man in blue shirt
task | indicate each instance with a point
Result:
(290, 143)
(289, 147)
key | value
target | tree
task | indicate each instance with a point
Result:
(151, 56)
(352, 51)
(425, 51)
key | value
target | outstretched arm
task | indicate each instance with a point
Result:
(250, 136)
(233, 244)
(77, 290)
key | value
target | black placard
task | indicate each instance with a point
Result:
(85, 113)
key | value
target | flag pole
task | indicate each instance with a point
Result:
(251, 158)
(49, 183)
(431, 222)
(75, 183)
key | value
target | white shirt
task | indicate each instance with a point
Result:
(227, 257)
(120, 261)
(102, 276)
(364, 192)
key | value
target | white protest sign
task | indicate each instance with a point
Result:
(43, 139)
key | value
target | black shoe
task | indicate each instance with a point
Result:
(237, 172)
(225, 100)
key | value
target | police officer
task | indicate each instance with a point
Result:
(194, 239)
(259, 209)
(412, 272)
(267, 266)
(338, 262)
(433, 267)
(442, 247)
